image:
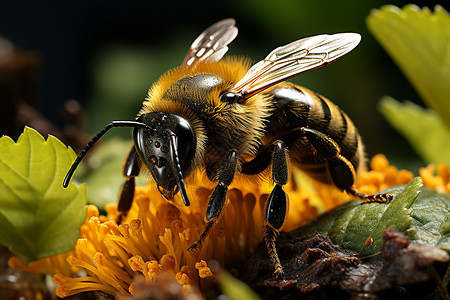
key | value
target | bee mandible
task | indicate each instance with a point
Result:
(223, 117)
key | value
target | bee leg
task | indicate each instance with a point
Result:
(341, 170)
(381, 198)
(277, 205)
(219, 195)
(130, 171)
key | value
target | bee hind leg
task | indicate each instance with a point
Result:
(341, 170)
(130, 170)
(382, 198)
(218, 197)
(277, 205)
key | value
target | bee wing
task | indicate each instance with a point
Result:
(212, 43)
(293, 59)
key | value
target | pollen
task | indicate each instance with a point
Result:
(382, 176)
(152, 241)
(203, 270)
(436, 177)
(168, 262)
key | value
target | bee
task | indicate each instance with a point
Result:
(223, 117)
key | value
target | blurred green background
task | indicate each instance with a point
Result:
(106, 54)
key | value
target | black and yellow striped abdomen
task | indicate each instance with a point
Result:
(298, 107)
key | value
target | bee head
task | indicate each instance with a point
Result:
(167, 148)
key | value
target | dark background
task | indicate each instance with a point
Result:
(106, 54)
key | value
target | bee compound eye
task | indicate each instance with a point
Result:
(186, 144)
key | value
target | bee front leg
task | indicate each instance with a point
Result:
(278, 203)
(218, 197)
(130, 170)
(341, 170)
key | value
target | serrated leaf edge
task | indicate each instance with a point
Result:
(31, 136)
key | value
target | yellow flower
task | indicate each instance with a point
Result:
(153, 239)
(382, 176)
(436, 177)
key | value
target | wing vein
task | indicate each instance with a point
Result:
(293, 59)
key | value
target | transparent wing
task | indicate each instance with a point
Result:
(212, 43)
(293, 59)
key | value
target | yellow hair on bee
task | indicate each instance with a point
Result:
(232, 69)
(244, 121)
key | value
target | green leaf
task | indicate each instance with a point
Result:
(422, 127)
(38, 216)
(417, 40)
(431, 219)
(235, 289)
(356, 222)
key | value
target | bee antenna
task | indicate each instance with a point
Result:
(91, 143)
(176, 164)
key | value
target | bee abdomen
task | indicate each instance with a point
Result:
(295, 107)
